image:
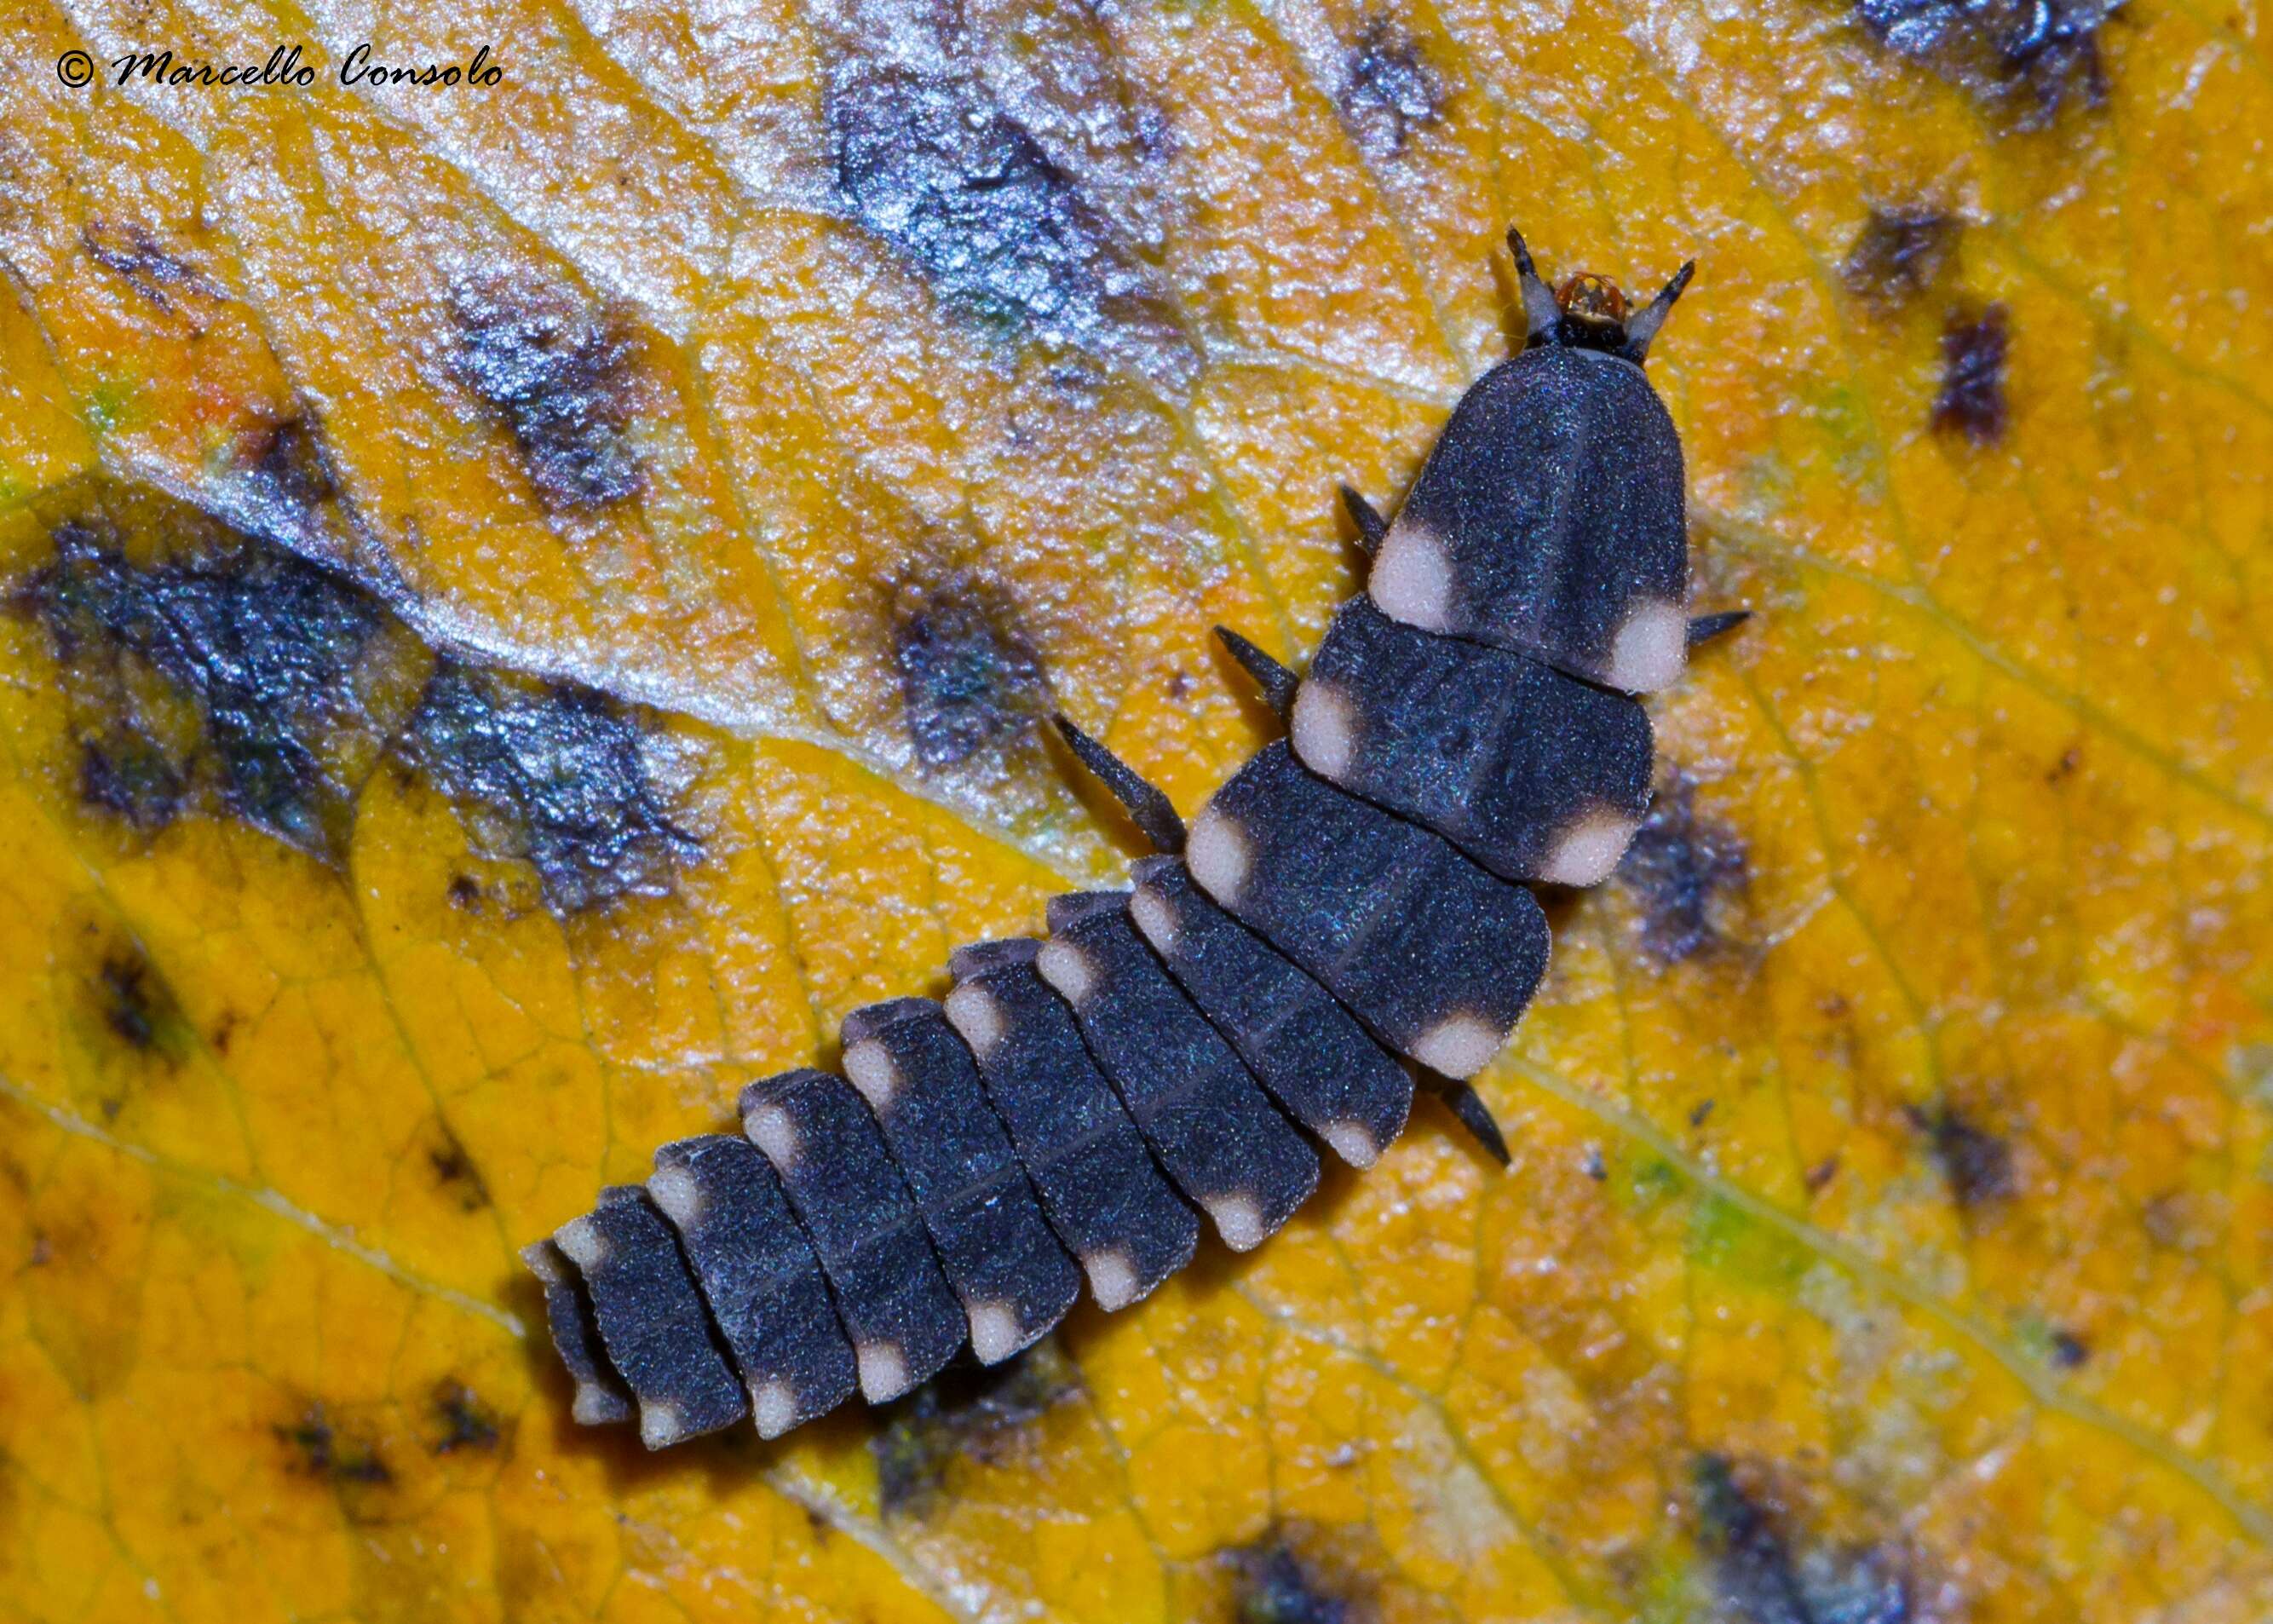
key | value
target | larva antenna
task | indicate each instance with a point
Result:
(1277, 682)
(1541, 316)
(1150, 809)
(1642, 328)
(1371, 527)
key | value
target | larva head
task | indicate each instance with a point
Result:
(1589, 310)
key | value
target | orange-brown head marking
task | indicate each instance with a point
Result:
(1591, 300)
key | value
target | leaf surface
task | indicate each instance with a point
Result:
(526, 605)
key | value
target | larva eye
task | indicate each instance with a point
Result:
(1347, 916)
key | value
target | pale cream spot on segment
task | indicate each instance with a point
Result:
(773, 1405)
(976, 1017)
(595, 1405)
(995, 1331)
(772, 1130)
(1412, 577)
(1218, 855)
(1238, 1220)
(661, 1424)
(1651, 648)
(868, 1067)
(1156, 920)
(1323, 729)
(1111, 1279)
(1353, 1142)
(674, 1189)
(1585, 853)
(580, 1240)
(1067, 968)
(1459, 1046)
(883, 1371)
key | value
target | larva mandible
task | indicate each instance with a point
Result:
(1353, 900)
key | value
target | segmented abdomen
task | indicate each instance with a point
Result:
(1354, 899)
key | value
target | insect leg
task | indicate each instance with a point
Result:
(1371, 527)
(1149, 808)
(1468, 1107)
(1277, 682)
(1705, 627)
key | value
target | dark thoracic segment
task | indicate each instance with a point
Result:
(651, 1318)
(600, 1395)
(1436, 956)
(896, 1306)
(1099, 1185)
(1535, 775)
(758, 1273)
(1213, 1130)
(1000, 1256)
(1306, 1049)
(1548, 518)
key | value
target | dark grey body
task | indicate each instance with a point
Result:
(1344, 912)
(1503, 756)
(758, 1273)
(652, 1322)
(1306, 1049)
(850, 1198)
(1099, 1185)
(1388, 917)
(1213, 1129)
(983, 1219)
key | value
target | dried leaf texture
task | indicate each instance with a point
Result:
(522, 607)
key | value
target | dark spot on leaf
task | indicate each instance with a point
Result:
(1751, 1568)
(929, 158)
(465, 894)
(1273, 1584)
(2028, 57)
(2064, 769)
(465, 1423)
(966, 1413)
(283, 483)
(323, 1451)
(1899, 254)
(220, 675)
(560, 378)
(1976, 1163)
(1972, 399)
(125, 774)
(968, 680)
(135, 252)
(1759, 1577)
(456, 1170)
(136, 1006)
(1678, 868)
(1389, 88)
(2069, 1350)
(555, 775)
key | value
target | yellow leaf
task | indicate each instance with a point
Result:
(525, 604)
